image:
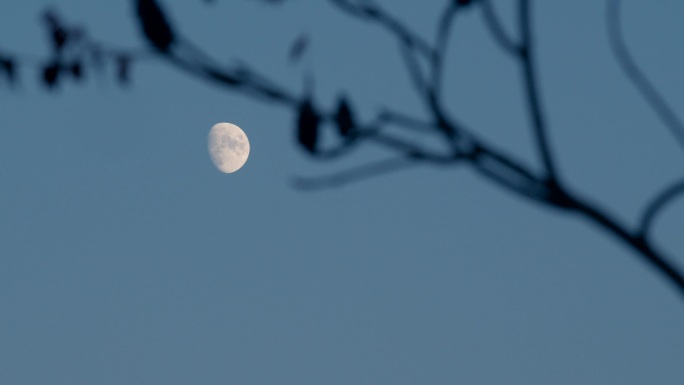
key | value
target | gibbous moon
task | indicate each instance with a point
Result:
(228, 147)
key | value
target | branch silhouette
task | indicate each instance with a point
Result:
(637, 76)
(464, 147)
(526, 57)
(366, 171)
(658, 204)
(497, 30)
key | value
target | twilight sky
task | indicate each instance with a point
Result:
(127, 258)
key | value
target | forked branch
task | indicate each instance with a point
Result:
(464, 146)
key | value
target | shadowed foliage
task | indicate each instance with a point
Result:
(307, 127)
(155, 25)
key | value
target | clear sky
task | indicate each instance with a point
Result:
(127, 258)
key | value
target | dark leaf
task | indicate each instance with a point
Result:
(8, 67)
(58, 34)
(59, 38)
(344, 117)
(51, 74)
(156, 27)
(307, 125)
(298, 48)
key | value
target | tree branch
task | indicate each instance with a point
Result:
(646, 251)
(403, 120)
(513, 176)
(491, 163)
(354, 174)
(529, 73)
(376, 14)
(409, 41)
(243, 78)
(637, 76)
(496, 29)
(414, 70)
(441, 40)
(503, 169)
(657, 204)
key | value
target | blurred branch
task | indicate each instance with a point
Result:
(496, 29)
(637, 76)
(441, 44)
(508, 173)
(241, 78)
(529, 74)
(657, 204)
(488, 161)
(403, 120)
(410, 42)
(374, 13)
(414, 70)
(647, 252)
(355, 174)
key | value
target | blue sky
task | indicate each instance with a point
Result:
(127, 258)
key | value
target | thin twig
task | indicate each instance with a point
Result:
(355, 174)
(409, 41)
(441, 44)
(657, 204)
(495, 164)
(383, 18)
(414, 70)
(497, 30)
(511, 180)
(241, 79)
(411, 150)
(403, 120)
(532, 90)
(637, 76)
(507, 170)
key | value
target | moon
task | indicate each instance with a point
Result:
(228, 147)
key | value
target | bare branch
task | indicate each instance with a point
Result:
(647, 252)
(509, 173)
(383, 18)
(411, 150)
(441, 44)
(355, 174)
(403, 120)
(657, 204)
(529, 71)
(637, 76)
(414, 70)
(496, 29)
(490, 162)
(242, 78)
(410, 42)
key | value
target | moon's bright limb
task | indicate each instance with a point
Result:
(228, 147)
